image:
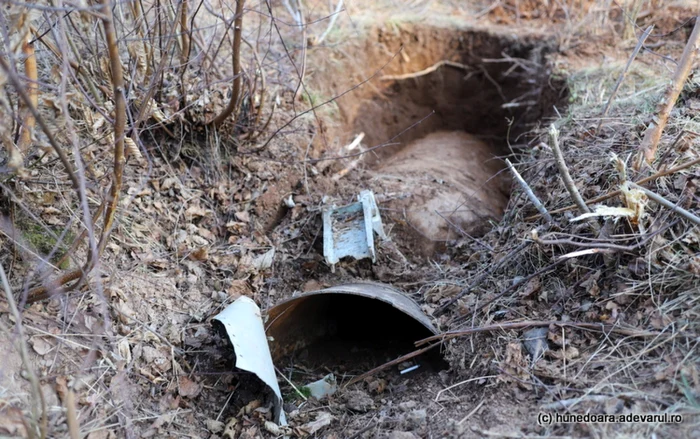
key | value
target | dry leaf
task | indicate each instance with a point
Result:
(214, 426)
(62, 387)
(568, 353)
(168, 183)
(531, 287)
(187, 387)
(242, 216)
(124, 350)
(323, 419)
(277, 430)
(12, 423)
(258, 263)
(132, 149)
(535, 342)
(230, 429)
(238, 288)
(250, 407)
(200, 254)
(195, 211)
(41, 346)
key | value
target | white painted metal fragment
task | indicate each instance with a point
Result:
(349, 230)
(245, 329)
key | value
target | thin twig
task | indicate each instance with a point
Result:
(391, 363)
(117, 79)
(662, 160)
(514, 286)
(119, 127)
(72, 416)
(559, 261)
(647, 149)
(185, 49)
(623, 75)
(461, 383)
(566, 403)
(74, 246)
(564, 171)
(251, 135)
(365, 430)
(334, 17)
(603, 245)
(39, 415)
(31, 72)
(304, 49)
(530, 194)
(602, 327)
(615, 193)
(296, 389)
(664, 202)
(424, 72)
(26, 99)
(315, 106)
(55, 286)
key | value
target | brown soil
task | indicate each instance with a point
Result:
(192, 231)
(444, 185)
(489, 98)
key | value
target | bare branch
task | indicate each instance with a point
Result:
(564, 171)
(236, 56)
(39, 403)
(426, 71)
(647, 149)
(623, 75)
(615, 193)
(334, 17)
(664, 202)
(528, 191)
(119, 122)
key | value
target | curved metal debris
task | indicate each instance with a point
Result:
(349, 230)
(244, 327)
(289, 321)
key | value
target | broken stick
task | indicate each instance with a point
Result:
(564, 171)
(622, 77)
(530, 194)
(647, 149)
(664, 202)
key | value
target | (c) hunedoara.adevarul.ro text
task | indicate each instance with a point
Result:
(593, 418)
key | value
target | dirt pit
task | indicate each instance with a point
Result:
(443, 106)
(348, 328)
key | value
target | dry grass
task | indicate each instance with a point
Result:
(132, 343)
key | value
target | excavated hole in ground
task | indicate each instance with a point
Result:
(347, 334)
(441, 174)
(442, 177)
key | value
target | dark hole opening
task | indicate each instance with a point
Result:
(344, 333)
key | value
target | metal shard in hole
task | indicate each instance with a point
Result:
(244, 328)
(349, 230)
(301, 321)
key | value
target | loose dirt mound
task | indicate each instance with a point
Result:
(447, 183)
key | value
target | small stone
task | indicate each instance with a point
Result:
(358, 401)
(407, 405)
(214, 426)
